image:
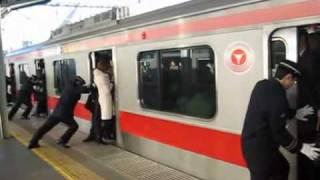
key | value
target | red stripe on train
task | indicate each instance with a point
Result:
(264, 15)
(80, 110)
(252, 17)
(212, 143)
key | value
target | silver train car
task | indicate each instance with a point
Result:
(183, 75)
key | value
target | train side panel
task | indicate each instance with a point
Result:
(233, 91)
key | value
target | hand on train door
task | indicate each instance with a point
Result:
(310, 151)
(303, 112)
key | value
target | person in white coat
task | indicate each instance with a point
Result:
(104, 86)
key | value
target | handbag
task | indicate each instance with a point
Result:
(92, 99)
(89, 103)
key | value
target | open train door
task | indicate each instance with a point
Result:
(106, 55)
(11, 84)
(283, 45)
(41, 88)
(300, 44)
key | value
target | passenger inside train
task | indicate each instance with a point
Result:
(184, 84)
(11, 84)
(102, 100)
(309, 93)
(40, 90)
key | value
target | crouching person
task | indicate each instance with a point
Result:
(63, 112)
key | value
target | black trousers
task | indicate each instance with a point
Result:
(42, 105)
(52, 122)
(113, 134)
(307, 133)
(279, 171)
(263, 162)
(22, 99)
(95, 122)
(101, 128)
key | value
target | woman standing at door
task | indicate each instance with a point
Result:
(104, 86)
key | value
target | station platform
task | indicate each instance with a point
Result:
(18, 163)
(89, 161)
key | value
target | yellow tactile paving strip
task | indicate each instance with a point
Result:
(66, 166)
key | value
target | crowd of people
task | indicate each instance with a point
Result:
(30, 85)
(99, 103)
(264, 129)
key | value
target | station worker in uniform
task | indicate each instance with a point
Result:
(63, 112)
(24, 97)
(264, 129)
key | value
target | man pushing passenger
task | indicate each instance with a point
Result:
(63, 112)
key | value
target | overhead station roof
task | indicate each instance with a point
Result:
(107, 22)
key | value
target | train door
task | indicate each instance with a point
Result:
(11, 84)
(300, 44)
(40, 88)
(105, 55)
(308, 87)
(283, 45)
(24, 72)
(95, 57)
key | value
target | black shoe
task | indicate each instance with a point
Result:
(100, 141)
(63, 144)
(112, 136)
(31, 146)
(88, 139)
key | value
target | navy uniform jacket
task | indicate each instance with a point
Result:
(68, 100)
(265, 125)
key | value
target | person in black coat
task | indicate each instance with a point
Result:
(24, 97)
(265, 130)
(8, 82)
(92, 105)
(309, 93)
(63, 112)
(40, 96)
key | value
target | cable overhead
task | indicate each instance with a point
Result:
(78, 6)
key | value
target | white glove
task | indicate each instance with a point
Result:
(310, 151)
(303, 112)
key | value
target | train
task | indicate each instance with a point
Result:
(183, 74)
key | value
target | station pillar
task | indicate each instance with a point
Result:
(4, 133)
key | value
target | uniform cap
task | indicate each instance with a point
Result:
(291, 66)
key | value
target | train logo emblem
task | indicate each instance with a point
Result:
(239, 57)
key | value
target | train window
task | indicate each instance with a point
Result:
(23, 72)
(178, 80)
(64, 71)
(278, 49)
(149, 80)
